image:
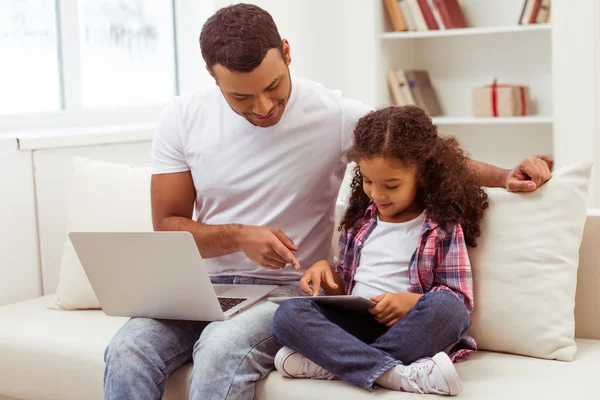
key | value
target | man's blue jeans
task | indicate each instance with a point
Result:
(229, 356)
(356, 348)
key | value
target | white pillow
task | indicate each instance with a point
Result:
(103, 197)
(525, 267)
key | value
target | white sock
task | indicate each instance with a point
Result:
(386, 380)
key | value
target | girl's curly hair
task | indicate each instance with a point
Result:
(448, 189)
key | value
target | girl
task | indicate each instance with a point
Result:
(414, 207)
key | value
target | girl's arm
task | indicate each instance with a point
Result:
(341, 285)
(321, 273)
(453, 270)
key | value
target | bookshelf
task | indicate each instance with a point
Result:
(526, 120)
(458, 60)
(486, 30)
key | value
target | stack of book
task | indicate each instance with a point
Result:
(425, 15)
(413, 87)
(535, 12)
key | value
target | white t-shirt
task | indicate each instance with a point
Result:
(385, 258)
(286, 176)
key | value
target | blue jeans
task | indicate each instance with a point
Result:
(229, 356)
(356, 348)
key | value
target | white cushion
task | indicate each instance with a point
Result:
(59, 355)
(103, 197)
(525, 267)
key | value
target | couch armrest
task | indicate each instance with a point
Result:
(587, 301)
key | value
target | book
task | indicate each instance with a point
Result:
(423, 92)
(395, 15)
(451, 13)
(397, 96)
(405, 87)
(534, 13)
(399, 88)
(428, 15)
(415, 10)
(543, 12)
(436, 15)
(410, 20)
(526, 12)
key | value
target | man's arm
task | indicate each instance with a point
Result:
(488, 174)
(530, 174)
(173, 197)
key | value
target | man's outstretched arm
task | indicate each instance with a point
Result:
(530, 174)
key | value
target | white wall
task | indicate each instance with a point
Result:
(315, 30)
(362, 48)
(576, 54)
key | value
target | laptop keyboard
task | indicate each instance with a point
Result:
(228, 303)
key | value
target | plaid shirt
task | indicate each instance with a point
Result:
(440, 263)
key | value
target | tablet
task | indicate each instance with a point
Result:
(353, 303)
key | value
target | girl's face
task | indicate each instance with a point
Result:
(392, 186)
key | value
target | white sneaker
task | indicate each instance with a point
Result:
(292, 364)
(435, 375)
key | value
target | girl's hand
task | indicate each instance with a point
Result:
(319, 273)
(392, 307)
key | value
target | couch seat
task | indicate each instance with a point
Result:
(62, 354)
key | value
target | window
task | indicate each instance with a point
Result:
(127, 52)
(30, 78)
(91, 63)
(77, 55)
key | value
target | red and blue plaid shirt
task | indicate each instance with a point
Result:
(440, 263)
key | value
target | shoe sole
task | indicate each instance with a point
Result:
(449, 372)
(280, 359)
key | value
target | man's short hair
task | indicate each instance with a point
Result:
(238, 37)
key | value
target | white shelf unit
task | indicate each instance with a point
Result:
(526, 120)
(481, 30)
(458, 60)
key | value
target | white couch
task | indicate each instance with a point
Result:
(46, 353)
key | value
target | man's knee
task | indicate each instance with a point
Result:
(212, 343)
(228, 359)
(136, 345)
(116, 347)
(122, 350)
(223, 341)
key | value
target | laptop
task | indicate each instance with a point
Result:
(157, 275)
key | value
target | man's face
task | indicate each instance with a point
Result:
(259, 96)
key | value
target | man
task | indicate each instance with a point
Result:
(261, 157)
